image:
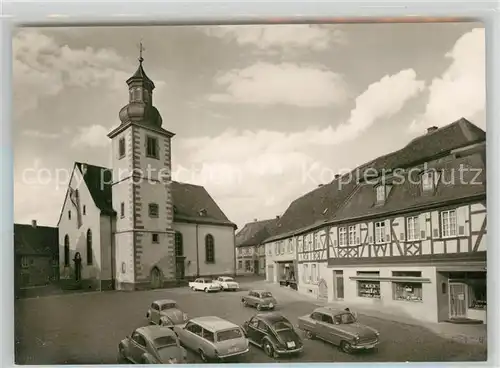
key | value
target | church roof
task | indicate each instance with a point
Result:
(323, 203)
(192, 203)
(253, 233)
(32, 240)
(98, 180)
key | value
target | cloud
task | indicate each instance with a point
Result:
(288, 84)
(42, 67)
(92, 136)
(39, 134)
(315, 37)
(254, 161)
(461, 90)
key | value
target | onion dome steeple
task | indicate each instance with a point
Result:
(140, 108)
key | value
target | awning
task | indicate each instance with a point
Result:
(392, 279)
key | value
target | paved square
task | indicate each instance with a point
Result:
(86, 329)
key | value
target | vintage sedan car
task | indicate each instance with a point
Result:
(213, 338)
(226, 283)
(259, 299)
(339, 327)
(205, 285)
(151, 345)
(165, 312)
(273, 333)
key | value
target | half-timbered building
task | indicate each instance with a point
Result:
(250, 251)
(410, 236)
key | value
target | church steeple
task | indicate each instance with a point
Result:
(140, 107)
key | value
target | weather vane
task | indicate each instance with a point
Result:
(141, 49)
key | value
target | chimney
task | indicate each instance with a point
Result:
(337, 176)
(254, 220)
(277, 217)
(432, 129)
(33, 224)
(320, 185)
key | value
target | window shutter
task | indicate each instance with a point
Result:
(435, 224)
(402, 236)
(436, 233)
(357, 241)
(422, 225)
(387, 237)
(370, 239)
(461, 230)
(462, 215)
(334, 242)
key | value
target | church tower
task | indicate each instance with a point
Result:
(141, 161)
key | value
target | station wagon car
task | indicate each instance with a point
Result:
(226, 283)
(213, 338)
(151, 345)
(205, 285)
(166, 313)
(339, 327)
(259, 299)
(273, 333)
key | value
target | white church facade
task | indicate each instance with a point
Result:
(131, 227)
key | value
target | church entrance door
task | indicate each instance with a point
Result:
(155, 278)
(179, 268)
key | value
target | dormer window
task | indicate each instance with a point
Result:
(203, 212)
(428, 178)
(381, 193)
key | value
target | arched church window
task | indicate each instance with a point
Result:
(136, 94)
(66, 250)
(179, 246)
(209, 248)
(89, 247)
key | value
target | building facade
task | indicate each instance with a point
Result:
(36, 256)
(411, 241)
(132, 227)
(250, 252)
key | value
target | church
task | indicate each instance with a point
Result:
(130, 226)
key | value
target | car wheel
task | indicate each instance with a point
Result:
(245, 303)
(206, 290)
(192, 288)
(203, 357)
(259, 307)
(309, 335)
(269, 350)
(346, 347)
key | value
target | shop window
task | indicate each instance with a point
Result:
(247, 266)
(407, 291)
(477, 292)
(368, 288)
(240, 265)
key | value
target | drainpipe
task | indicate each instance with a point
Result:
(197, 254)
(234, 253)
(112, 260)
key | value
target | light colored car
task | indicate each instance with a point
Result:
(151, 345)
(339, 327)
(226, 283)
(205, 285)
(166, 312)
(213, 338)
(259, 299)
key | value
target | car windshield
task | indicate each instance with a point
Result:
(234, 333)
(168, 306)
(282, 326)
(206, 281)
(227, 279)
(164, 341)
(345, 318)
(266, 294)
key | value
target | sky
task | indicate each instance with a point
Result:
(262, 114)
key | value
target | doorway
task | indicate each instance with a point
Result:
(156, 278)
(256, 266)
(458, 300)
(179, 268)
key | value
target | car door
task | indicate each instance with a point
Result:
(254, 299)
(192, 336)
(251, 329)
(328, 331)
(137, 347)
(321, 328)
(155, 313)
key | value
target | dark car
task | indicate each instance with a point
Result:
(151, 345)
(273, 333)
(259, 299)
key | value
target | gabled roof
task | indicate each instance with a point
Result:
(321, 204)
(39, 240)
(192, 203)
(98, 180)
(407, 194)
(254, 233)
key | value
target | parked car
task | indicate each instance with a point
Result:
(213, 338)
(259, 299)
(226, 283)
(165, 312)
(273, 333)
(151, 345)
(205, 285)
(339, 327)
